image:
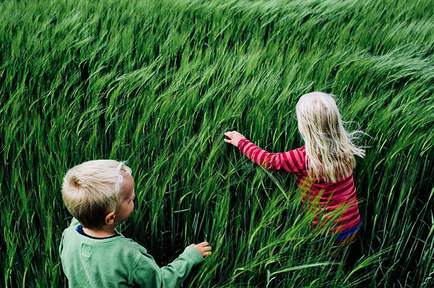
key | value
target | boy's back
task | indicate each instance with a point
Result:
(118, 262)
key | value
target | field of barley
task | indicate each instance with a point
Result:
(157, 83)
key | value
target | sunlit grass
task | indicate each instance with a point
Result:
(157, 83)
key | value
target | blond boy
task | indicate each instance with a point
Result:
(99, 194)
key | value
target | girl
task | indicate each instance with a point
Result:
(323, 167)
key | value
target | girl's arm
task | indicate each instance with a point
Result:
(292, 161)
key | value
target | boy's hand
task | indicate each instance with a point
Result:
(204, 248)
(234, 137)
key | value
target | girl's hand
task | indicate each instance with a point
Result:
(204, 248)
(234, 137)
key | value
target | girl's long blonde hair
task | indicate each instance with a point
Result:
(329, 148)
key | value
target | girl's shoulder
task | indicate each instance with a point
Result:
(300, 154)
(296, 160)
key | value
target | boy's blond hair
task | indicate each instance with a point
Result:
(329, 147)
(92, 189)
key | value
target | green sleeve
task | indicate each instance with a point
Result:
(148, 274)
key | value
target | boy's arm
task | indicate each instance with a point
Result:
(148, 274)
(176, 272)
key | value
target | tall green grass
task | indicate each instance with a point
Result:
(157, 83)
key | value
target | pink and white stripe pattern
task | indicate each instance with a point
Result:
(331, 197)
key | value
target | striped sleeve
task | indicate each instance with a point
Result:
(291, 161)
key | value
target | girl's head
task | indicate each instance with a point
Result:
(329, 149)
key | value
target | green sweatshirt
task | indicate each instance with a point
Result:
(118, 262)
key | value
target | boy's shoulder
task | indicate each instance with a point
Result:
(127, 245)
(83, 258)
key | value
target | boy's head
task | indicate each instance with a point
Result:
(94, 189)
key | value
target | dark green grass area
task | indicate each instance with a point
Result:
(157, 83)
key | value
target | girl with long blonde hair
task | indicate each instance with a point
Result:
(323, 166)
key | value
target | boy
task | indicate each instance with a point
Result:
(99, 194)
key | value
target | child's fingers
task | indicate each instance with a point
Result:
(206, 253)
(206, 248)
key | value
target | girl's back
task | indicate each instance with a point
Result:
(327, 198)
(323, 166)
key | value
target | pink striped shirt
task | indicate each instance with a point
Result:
(339, 196)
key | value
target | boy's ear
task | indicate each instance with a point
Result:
(110, 218)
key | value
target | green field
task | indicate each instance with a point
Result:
(157, 83)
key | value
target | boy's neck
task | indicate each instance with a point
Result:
(104, 232)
